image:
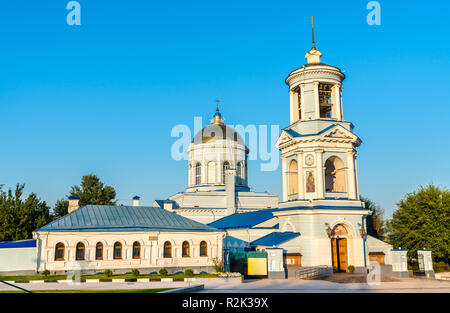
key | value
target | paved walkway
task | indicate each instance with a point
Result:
(320, 286)
(96, 286)
(258, 286)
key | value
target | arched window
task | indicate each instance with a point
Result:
(185, 249)
(99, 251)
(293, 178)
(117, 250)
(59, 252)
(225, 166)
(79, 255)
(203, 248)
(136, 250)
(198, 173)
(335, 175)
(211, 172)
(167, 249)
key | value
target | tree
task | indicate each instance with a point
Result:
(422, 220)
(61, 208)
(91, 191)
(19, 218)
(375, 221)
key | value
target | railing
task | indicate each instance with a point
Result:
(311, 272)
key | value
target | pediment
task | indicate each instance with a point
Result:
(339, 132)
(284, 138)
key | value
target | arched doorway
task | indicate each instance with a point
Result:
(339, 251)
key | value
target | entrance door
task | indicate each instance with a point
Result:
(339, 253)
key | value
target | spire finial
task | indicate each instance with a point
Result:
(312, 24)
(217, 120)
(217, 104)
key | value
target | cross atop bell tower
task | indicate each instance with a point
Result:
(312, 26)
(313, 56)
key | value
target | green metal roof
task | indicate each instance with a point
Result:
(112, 218)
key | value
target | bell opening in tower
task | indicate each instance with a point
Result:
(325, 100)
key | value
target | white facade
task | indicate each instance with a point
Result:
(151, 257)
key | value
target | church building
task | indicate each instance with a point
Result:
(320, 220)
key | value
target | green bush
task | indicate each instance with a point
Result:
(188, 272)
(163, 272)
(135, 272)
(441, 267)
(351, 268)
(45, 273)
(108, 273)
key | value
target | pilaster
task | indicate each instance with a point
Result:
(285, 178)
(301, 187)
(351, 174)
(320, 176)
(316, 100)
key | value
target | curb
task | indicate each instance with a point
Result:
(124, 280)
(185, 289)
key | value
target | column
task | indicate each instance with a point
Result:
(285, 178)
(294, 106)
(219, 166)
(316, 100)
(337, 102)
(320, 181)
(340, 103)
(351, 175)
(301, 180)
(189, 174)
(302, 102)
(356, 176)
(291, 106)
(204, 169)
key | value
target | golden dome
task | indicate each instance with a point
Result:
(217, 131)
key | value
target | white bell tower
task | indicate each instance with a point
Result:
(318, 148)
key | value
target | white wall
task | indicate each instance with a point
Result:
(17, 259)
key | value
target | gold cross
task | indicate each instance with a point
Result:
(217, 104)
(312, 24)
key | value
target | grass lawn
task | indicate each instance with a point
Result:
(94, 291)
(124, 276)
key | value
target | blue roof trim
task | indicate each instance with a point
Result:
(324, 207)
(380, 239)
(275, 239)
(29, 243)
(124, 218)
(243, 220)
(293, 133)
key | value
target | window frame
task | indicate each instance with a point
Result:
(61, 247)
(198, 173)
(167, 245)
(136, 245)
(80, 247)
(114, 251)
(99, 247)
(205, 246)
(185, 245)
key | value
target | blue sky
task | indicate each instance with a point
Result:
(103, 97)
